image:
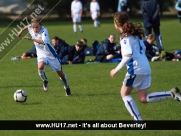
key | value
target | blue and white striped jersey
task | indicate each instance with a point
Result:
(46, 50)
(138, 63)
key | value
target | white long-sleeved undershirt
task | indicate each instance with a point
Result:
(123, 62)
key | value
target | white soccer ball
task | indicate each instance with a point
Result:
(20, 96)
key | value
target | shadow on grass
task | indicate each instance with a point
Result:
(19, 86)
(100, 94)
(31, 103)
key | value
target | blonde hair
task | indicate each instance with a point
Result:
(36, 20)
(111, 35)
(151, 37)
(84, 41)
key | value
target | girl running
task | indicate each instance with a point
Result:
(46, 53)
(138, 69)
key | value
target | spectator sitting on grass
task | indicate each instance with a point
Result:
(106, 50)
(88, 51)
(27, 55)
(174, 56)
(151, 49)
(76, 54)
(61, 47)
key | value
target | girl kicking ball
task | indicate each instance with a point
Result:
(46, 53)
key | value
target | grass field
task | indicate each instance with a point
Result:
(94, 95)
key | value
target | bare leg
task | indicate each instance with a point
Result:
(129, 102)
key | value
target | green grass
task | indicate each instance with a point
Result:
(94, 95)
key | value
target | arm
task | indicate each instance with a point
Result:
(90, 8)
(98, 9)
(21, 31)
(177, 6)
(34, 40)
(126, 54)
(71, 8)
(99, 13)
(81, 8)
(123, 62)
(44, 40)
(80, 13)
(71, 13)
(79, 58)
(28, 38)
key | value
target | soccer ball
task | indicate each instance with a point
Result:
(20, 96)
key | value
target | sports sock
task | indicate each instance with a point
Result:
(64, 81)
(158, 96)
(42, 75)
(75, 28)
(159, 42)
(132, 107)
(81, 28)
(95, 23)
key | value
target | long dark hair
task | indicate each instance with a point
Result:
(129, 28)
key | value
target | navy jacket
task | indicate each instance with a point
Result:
(62, 49)
(149, 50)
(150, 12)
(104, 49)
(77, 57)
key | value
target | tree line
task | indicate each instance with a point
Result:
(107, 6)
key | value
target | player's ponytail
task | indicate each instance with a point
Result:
(129, 28)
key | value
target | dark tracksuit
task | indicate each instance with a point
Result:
(31, 52)
(76, 57)
(149, 50)
(151, 20)
(62, 50)
(105, 49)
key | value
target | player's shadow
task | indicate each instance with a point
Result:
(11, 86)
(101, 94)
(32, 103)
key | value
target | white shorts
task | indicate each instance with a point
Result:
(94, 15)
(76, 18)
(53, 63)
(139, 82)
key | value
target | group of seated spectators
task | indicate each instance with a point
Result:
(154, 54)
(107, 51)
(75, 54)
(70, 54)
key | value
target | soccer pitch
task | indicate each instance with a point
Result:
(95, 96)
